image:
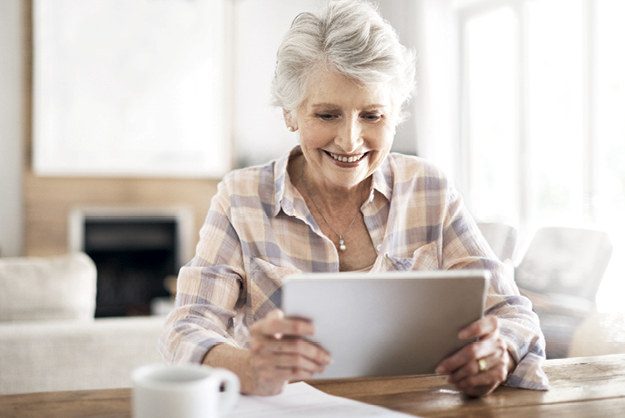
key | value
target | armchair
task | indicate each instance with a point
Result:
(560, 273)
(49, 339)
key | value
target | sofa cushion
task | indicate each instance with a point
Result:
(50, 288)
(76, 355)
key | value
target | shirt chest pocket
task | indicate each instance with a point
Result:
(264, 292)
(423, 258)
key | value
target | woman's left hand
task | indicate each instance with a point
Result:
(479, 368)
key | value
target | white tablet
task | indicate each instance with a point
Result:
(387, 324)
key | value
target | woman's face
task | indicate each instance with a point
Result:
(345, 129)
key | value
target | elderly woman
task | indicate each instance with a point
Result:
(338, 202)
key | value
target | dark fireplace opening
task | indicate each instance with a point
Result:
(133, 256)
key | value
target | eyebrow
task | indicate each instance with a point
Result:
(332, 106)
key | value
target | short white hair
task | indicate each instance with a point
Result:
(348, 36)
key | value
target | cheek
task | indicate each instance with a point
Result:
(383, 138)
(314, 137)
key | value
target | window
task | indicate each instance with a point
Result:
(543, 118)
(491, 101)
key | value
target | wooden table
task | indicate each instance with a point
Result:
(580, 387)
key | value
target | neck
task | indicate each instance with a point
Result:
(328, 198)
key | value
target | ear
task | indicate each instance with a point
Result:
(289, 120)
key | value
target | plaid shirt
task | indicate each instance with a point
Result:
(259, 229)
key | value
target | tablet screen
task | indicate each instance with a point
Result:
(386, 324)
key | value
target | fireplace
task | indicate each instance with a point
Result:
(135, 250)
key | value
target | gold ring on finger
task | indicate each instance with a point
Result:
(481, 364)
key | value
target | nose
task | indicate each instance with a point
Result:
(349, 137)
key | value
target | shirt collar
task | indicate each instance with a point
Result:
(382, 180)
(284, 190)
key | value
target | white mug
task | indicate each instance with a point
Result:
(183, 391)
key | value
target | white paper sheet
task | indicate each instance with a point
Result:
(302, 401)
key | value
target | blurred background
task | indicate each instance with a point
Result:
(110, 107)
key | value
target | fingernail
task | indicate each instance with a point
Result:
(440, 370)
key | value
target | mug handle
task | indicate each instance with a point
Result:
(229, 397)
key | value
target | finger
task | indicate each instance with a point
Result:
(496, 366)
(298, 362)
(283, 367)
(297, 374)
(473, 368)
(289, 346)
(478, 383)
(275, 326)
(469, 354)
(256, 329)
(302, 348)
(289, 354)
(269, 326)
(463, 358)
(273, 369)
(482, 328)
(271, 379)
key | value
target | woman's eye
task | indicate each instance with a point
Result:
(326, 116)
(372, 117)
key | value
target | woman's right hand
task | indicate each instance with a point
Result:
(279, 352)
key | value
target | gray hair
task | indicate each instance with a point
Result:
(348, 36)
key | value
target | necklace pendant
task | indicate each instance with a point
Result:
(342, 246)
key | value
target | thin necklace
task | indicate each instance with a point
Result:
(342, 246)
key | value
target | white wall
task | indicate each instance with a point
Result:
(11, 127)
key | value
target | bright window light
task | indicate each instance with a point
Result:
(555, 111)
(609, 200)
(492, 96)
(551, 153)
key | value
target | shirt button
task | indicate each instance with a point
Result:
(379, 248)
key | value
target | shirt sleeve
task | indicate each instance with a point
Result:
(464, 247)
(209, 291)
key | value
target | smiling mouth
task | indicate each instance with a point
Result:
(351, 159)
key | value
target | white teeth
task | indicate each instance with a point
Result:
(347, 159)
